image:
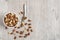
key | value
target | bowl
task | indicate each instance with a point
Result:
(10, 19)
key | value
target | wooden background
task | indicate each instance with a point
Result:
(45, 15)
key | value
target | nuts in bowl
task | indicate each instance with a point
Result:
(10, 19)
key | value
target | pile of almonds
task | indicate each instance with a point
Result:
(10, 19)
(22, 33)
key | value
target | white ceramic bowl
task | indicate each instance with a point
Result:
(12, 13)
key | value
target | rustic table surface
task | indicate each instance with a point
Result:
(45, 15)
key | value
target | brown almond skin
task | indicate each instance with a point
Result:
(21, 12)
(6, 28)
(29, 24)
(21, 32)
(14, 27)
(11, 33)
(28, 34)
(29, 20)
(25, 35)
(21, 25)
(31, 30)
(17, 31)
(25, 23)
(28, 30)
(13, 30)
(24, 18)
(20, 36)
(14, 37)
(18, 27)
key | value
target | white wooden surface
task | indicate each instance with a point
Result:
(45, 15)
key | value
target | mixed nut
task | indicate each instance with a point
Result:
(10, 19)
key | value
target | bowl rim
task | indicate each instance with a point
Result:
(5, 15)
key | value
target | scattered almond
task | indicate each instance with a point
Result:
(22, 24)
(11, 20)
(18, 27)
(29, 24)
(29, 20)
(24, 18)
(14, 37)
(25, 23)
(21, 32)
(21, 12)
(11, 33)
(6, 28)
(17, 31)
(31, 30)
(20, 36)
(13, 30)
(25, 35)
(28, 34)
(28, 30)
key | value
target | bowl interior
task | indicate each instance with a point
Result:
(4, 21)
